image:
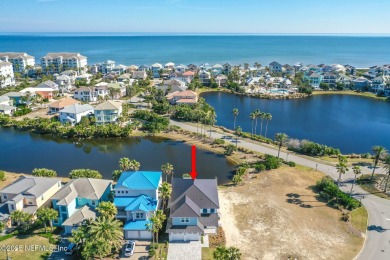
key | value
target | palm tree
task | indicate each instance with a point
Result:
(167, 169)
(47, 214)
(230, 253)
(124, 164)
(17, 216)
(165, 192)
(379, 151)
(268, 117)
(107, 209)
(257, 114)
(135, 165)
(252, 117)
(235, 114)
(107, 229)
(386, 162)
(341, 167)
(281, 138)
(116, 175)
(262, 117)
(356, 170)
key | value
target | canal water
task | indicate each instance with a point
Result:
(351, 123)
(24, 151)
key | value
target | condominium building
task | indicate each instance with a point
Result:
(57, 62)
(20, 61)
(6, 74)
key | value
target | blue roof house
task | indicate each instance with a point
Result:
(136, 198)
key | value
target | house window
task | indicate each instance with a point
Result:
(12, 207)
(212, 210)
(29, 202)
(139, 215)
(204, 210)
(184, 220)
(93, 203)
(42, 198)
(55, 221)
(5, 196)
(127, 192)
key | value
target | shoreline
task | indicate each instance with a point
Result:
(314, 93)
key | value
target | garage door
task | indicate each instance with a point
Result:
(176, 237)
(192, 237)
(145, 235)
(138, 234)
(131, 235)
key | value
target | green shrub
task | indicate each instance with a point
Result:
(43, 172)
(2, 175)
(291, 164)
(272, 162)
(260, 167)
(84, 173)
(219, 141)
(229, 149)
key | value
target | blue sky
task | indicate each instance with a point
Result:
(201, 16)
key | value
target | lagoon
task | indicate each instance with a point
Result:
(24, 151)
(351, 123)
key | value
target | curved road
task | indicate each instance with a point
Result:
(377, 245)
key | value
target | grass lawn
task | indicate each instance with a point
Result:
(349, 92)
(27, 244)
(359, 219)
(207, 253)
(365, 182)
(351, 161)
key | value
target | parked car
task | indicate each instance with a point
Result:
(70, 249)
(129, 248)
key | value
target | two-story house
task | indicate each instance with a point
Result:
(194, 207)
(330, 78)
(56, 106)
(183, 97)
(108, 112)
(72, 114)
(136, 198)
(227, 68)
(156, 68)
(27, 194)
(77, 201)
(379, 83)
(87, 94)
(275, 67)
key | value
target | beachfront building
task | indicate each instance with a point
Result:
(180, 68)
(6, 74)
(136, 198)
(27, 194)
(156, 68)
(77, 201)
(108, 112)
(204, 77)
(379, 83)
(192, 67)
(72, 114)
(20, 61)
(216, 69)
(227, 68)
(170, 66)
(194, 209)
(59, 61)
(119, 69)
(139, 75)
(275, 67)
(106, 67)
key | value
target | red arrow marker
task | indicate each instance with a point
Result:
(193, 172)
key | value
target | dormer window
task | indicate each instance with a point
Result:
(139, 215)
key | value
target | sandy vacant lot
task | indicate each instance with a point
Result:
(260, 219)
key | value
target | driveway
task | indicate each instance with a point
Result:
(140, 251)
(377, 245)
(185, 250)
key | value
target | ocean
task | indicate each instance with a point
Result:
(359, 51)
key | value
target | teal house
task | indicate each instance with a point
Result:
(77, 201)
(136, 198)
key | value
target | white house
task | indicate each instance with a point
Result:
(20, 61)
(108, 112)
(155, 68)
(87, 94)
(106, 67)
(86, 76)
(7, 109)
(72, 114)
(6, 74)
(59, 61)
(65, 83)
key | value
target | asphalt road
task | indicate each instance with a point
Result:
(377, 244)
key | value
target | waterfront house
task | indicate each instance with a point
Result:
(139, 75)
(350, 69)
(119, 69)
(170, 66)
(57, 62)
(108, 112)
(77, 201)
(314, 78)
(227, 68)
(56, 106)
(275, 67)
(188, 76)
(136, 198)
(27, 194)
(7, 109)
(181, 68)
(156, 68)
(194, 207)
(87, 94)
(143, 68)
(5, 100)
(204, 77)
(171, 88)
(72, 114)
(330, 78)
(288, 69)
(361, 83)
(20, 61)
(106, 67)
(130, 69)
(183, 97)
(16, 98)
(217, 69)
(379, 83)
(6, 74)
(192, 67)
(221, 80)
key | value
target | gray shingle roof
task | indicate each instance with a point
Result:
(35, 186)
(77, 108)
(80, 215)
(185, 207)
(84, 188)
(108, 105)
(179, 229)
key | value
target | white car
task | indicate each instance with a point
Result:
(129, 248)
